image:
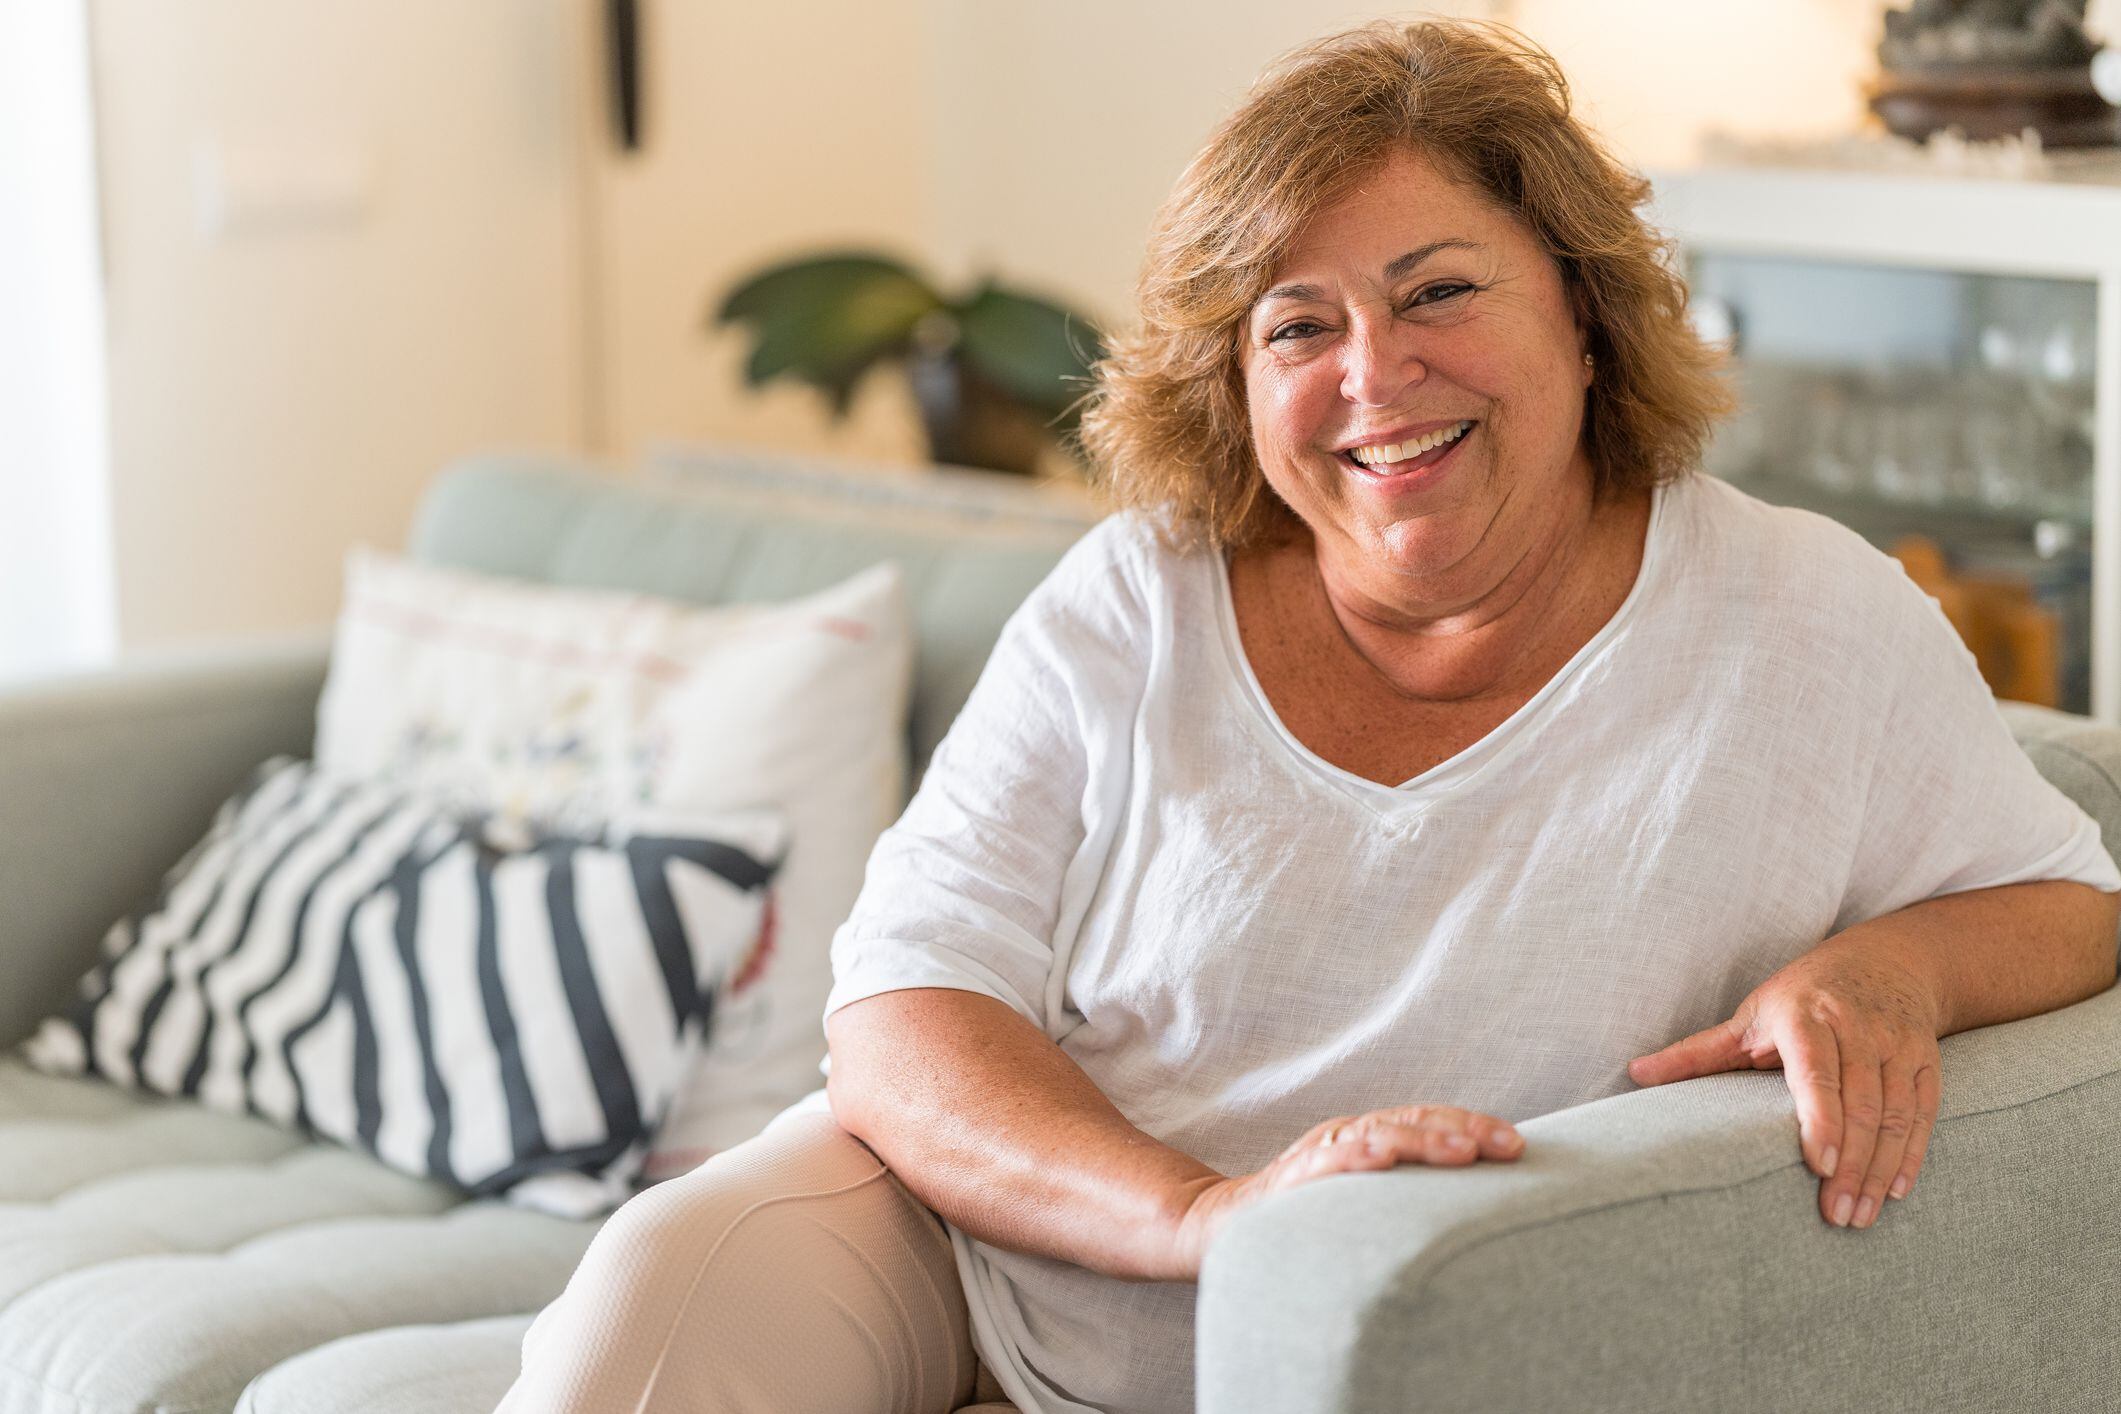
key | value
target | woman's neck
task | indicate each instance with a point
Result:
(1498, 629)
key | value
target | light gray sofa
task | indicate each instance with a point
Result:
(158, 1257)
(1655, 1251)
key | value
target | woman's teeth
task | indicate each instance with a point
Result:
(1384, 452)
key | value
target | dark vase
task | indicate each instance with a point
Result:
(969, 421)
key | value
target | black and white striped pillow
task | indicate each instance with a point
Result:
(505, 1013)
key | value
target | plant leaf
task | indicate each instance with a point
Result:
(812, 277)
(1038, 351)
(826, 321)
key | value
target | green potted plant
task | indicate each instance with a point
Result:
(997, 373)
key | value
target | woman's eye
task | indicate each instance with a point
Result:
(1432, 294)
(1448, 289)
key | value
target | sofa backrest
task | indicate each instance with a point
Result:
(743, 530)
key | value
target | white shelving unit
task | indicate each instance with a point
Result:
(2059, 228)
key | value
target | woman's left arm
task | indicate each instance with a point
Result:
(1854, 1023)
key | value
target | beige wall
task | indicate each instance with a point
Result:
(1060, 127)
(772, 129)
(283, 391)
(436, 210)
(286, 386)
(1653, 75)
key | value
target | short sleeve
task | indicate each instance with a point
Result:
(968, 888)
(1953, 803)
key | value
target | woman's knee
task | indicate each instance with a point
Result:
(799, 1233)
(670, 1235)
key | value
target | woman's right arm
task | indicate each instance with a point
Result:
(996, 1129)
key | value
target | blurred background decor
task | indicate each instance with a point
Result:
(266, 268)
(1918, 356)
(997, 373)
(1991, 69)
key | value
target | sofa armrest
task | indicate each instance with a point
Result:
(107, 778)
(1663, 1250)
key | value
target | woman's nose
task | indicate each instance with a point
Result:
(1382, 362)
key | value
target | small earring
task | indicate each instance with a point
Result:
(1589, 362)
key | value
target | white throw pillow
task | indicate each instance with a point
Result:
(559, 705)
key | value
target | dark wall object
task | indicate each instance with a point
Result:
(1992, 68)
(622, 28)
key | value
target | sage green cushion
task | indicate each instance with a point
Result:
(458, 1368)
(157, 1256)
(690, 538)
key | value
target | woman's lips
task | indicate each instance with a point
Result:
(1413, 470)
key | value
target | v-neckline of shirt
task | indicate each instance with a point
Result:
(1412, 797)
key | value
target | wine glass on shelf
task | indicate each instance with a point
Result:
(1829, 451)
(2000, 435)
(1927, 443)
(1891, 477)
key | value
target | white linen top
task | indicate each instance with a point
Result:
(1777, 736)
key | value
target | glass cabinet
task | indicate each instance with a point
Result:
(1935, 362)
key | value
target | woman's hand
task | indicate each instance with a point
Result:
(1854, 1029)
(1413, 1134)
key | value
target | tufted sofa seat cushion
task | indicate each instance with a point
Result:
(446, 1369)
(155, 1256)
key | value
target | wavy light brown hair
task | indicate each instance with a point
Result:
(1166, 426)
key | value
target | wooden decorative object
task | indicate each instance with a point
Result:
(2060, 105)
(1992, 69)
(2016, 641)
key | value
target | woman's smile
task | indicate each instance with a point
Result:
(1410, 465)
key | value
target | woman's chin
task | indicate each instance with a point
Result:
(1417, 535)
(1425, 544)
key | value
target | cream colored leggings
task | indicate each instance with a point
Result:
(793, 1274)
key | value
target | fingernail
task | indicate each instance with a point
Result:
(1841, 1210)
(1899, 1188)
(1508, 1139)
(1865, 1211)
(1457, 1143)
(1828, 1159)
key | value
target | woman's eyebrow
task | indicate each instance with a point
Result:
(1397, 267)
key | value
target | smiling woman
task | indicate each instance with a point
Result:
(1477, 104)
(1429, 748)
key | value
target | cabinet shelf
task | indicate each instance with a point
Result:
(1911, 280)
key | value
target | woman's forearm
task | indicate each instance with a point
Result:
(994, 1127)
(1995, 955)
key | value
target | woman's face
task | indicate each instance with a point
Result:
(1411, 309)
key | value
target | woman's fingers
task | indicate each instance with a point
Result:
(1420, 1134)
(1811, 1067)
(1438, 1134)
(1928, 1098)
(1896, 1123)
(1862, 1102)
